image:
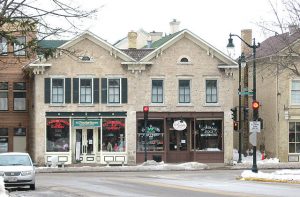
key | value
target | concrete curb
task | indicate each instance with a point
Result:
(268, 180)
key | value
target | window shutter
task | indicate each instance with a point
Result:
(124, 90)
(103, 90)
(75, 90)
(96, 90)
(67, 90)
(47, 90)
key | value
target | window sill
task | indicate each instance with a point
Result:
(114, 105)
(184, 105)
(294, 106)
(211, 105)
(57, 105)
(157, 105)
(86, 105)
(184, 63)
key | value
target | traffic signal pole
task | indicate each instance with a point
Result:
(145, 110)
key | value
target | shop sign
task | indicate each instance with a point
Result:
(179, 125)
(86, 123)
(113, 125)
(58, 124)
(208, 130)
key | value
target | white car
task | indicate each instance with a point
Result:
(17, 170)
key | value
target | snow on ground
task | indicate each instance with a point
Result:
(3, 192)
(279, 175)
(249, 159)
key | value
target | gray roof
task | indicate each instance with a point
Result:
(137, 54)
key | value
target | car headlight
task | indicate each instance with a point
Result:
(1, 173)
(26, 173)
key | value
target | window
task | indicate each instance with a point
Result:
(184, 59)
(3, 96)
(184, 91)
(211, 91)
(295, 92)
(113, 135)
(208, 136)
(155, 135)
(57, 90)
(3, 46)
(294, 137)
(85, 90)
(113, 90)
(19, 46)
(157, 91)
(3, 140)
(58, 137)
(19, 96)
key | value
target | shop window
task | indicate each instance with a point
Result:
(295, 92)
(154, 134)
(208, 135)
(57, 90)
(19, 140)
(85, 90)
(211, 91)
(113, 135)
(157, 91)
(19, 46)
(3, 46)
(3, 96)
(184, 91)
(294, 137)
(58, 135)
(19, 96)
(3, 140)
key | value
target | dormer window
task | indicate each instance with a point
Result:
(184, 60)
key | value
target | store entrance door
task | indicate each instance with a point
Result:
(86, 145)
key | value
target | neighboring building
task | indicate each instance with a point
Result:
(89, 100)
(15, 94)
(278, 93)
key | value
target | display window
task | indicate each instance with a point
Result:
(113, 135)
(3, 140)
(58, 135)
(154, 134)
(208, 135)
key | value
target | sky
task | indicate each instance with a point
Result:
(211, 20)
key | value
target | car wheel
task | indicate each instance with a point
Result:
(32, 186)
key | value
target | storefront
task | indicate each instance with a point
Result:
(181, 137)
(86, 138)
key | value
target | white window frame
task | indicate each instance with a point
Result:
(3, 46)
(205, 94)
(21, 91)
(291, 86)
(92, 90)
(64, 90)
(108, 90)
(190, 81)
(163, 91)
(19, 49)
(5, 91)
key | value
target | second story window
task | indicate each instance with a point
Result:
(19, 46)
(85, 90)
(19, 96)
(184, 91)
(113, 90)
(3, 46)
(157, 91)
(211, 91)
(57, 90)
(295, 92)
(3, 96)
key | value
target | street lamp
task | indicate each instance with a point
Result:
(254, 46)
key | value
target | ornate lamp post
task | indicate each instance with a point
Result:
(254, 46)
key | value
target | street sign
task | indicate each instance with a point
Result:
(252, 138)
(254, 126)
(246, 93)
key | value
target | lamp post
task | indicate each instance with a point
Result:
(254, 46)
(242, 64)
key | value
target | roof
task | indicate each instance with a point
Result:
(164, 39)
(137, 54)
(277, 43)
(51, 44)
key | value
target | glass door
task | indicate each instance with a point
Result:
(85, 145)
(178, 140)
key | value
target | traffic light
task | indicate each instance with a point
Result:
(255, 105)
(235, 126)
(234, 113)
(146, 110)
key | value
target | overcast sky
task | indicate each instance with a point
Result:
(212, 20)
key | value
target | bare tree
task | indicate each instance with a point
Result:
(35, 18)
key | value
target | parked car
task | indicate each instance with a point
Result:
(17, 170)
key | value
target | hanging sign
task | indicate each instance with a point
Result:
(179, 125)
(58, 124)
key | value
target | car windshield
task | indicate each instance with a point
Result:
(14, 160)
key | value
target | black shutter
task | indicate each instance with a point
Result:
(75, 90)
(103, 90)
(96, 90)
(47, 90)
(124, 90)
(68, 90)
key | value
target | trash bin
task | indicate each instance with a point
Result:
(156, 158)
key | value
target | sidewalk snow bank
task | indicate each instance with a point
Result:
(153, 165)
(3, 192)
(279, 175)
(249, 159)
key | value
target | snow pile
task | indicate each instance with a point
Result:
(153, 165)
(249, 159)
(3, 192)
(280, 175)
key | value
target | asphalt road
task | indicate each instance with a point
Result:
(208, 183)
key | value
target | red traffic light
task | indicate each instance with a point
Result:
(255, 105)
(235, 126)
(146, 109)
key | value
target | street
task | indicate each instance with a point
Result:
(208, 183)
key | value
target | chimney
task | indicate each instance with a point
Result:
(246, 34)
(174, 26)
(149, 42)
(132, 38)
(156, 35)
(293, 29)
